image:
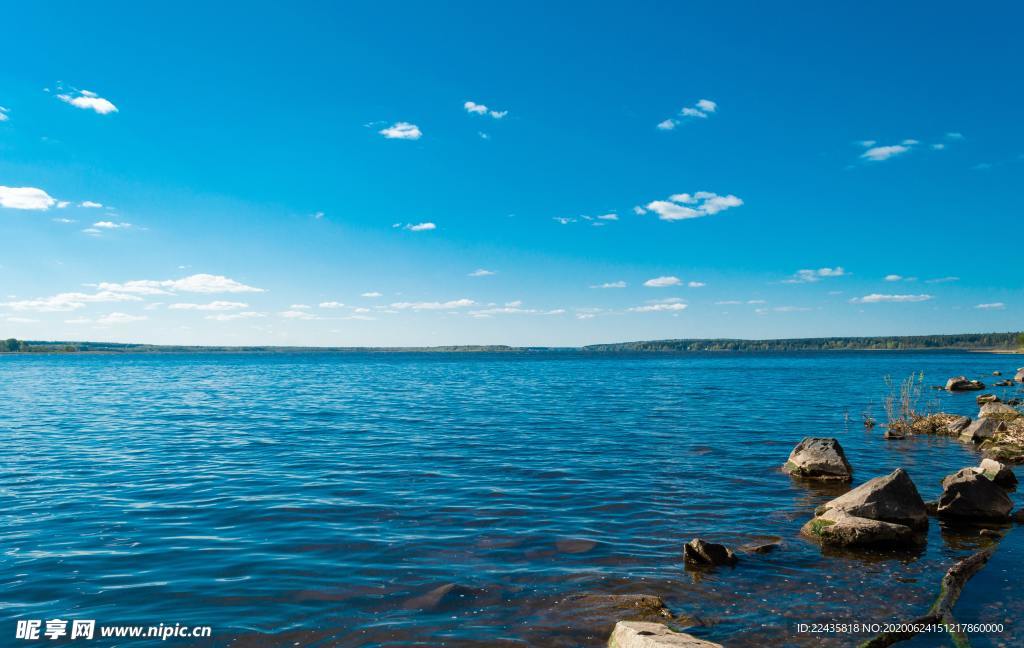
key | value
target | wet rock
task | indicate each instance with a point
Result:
(997, 373)
(611, 607)
(819, 458)
(885, 510)
(962, 383)
(997, 409)
(957, 425)
(968, 495)
(1003, 383)
(707, 554)
(761, 547)
(1019, 377)
(1018, 516)
(981, 429)
(574, 545)
(638, 634)
(997, 472)
(986, 398)
(990, 533)
(931, 506)
(443, 597)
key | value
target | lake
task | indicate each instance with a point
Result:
(327, 499)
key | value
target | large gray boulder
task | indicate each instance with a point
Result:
(957, 425)
(997, 472)
(641, 634)
(969, 495)
(997, 409)
(1019, 377)
(885, 510)
(962, 383)
(819, 459)
(981, 429)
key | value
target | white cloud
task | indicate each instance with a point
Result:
(480, 272)
(227, 317)
(608, 217)
(25, 198)
(942, 280)
(639, 211)
(403, 131)
(88, 204)
(64, 221)
(683, 206)
(954, 136)
(120, 318)
(21, 320)
(448, 305)
(111, 225)
(668, 124)
(879, 153)
(939, 146)
(562, 220)
(212, 306)
(420, 227)
(297, 314)
(300, 306)
(611, 284)
(373, 293)
(663, 282)
(481, 109)
(3, 114)
(876, 298)
(707, 105)
(657, 308)
(893, 277)
(331, 304)
(810, 276)
(696, 284)
(87, 100)
(197, 283)
(991, 306)
(68, 301)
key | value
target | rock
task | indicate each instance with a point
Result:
(968, 495)
(1019, 377)
(997, 373)
(632, 607)
(981, 429)
(990, 533)
(957, 425)
(895, 432)
(961, 383)
(1003, 383)
(820, 459)
(444, 597)
(986, 398)
(706, 554)
(882, 511)
(891, 498)
(640, 634)
(997, 409)
(761, 547)
(932, 506)
(997, 472)
(1018, 516)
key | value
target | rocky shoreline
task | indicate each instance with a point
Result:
(885, 512)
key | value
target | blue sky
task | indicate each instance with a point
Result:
(337, 174)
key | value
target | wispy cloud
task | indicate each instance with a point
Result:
(68, 301)
(700, 110)
(331, 304)
(371, 294)
(683, 206)
(197, 283)
(448, 305)
(89, 204)
(120, 318)
(658, 308)
(228, 317)
(402, 131)
(876, 298)
(481, 109)
(810, 276)
(29, 198)
(663, 282)
(879, 153)
(611, 284)
(87, 100)
(4, 112)
(991, 306)
(111, 225)
(212, 306)
(480, 272)
(416, 227)
(940, 280)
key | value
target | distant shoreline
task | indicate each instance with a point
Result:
(999, 343)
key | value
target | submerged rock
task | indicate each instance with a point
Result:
(997, 409)
(981, 429)
(969, 495)
(997, 472)
(883, 510)
(962, 383)
(701, 553)
(634, 607)
(1003, 383)
(639, 634)
(819, 458)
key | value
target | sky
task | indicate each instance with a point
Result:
(371, 174)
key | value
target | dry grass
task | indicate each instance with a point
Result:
(901, 402)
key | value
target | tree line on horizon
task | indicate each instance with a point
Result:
(964, 341)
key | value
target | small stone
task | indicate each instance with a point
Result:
(962, 383)
(986, 398)
(640, 634)
(699, 552)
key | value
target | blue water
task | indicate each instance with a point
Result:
(319, 499)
